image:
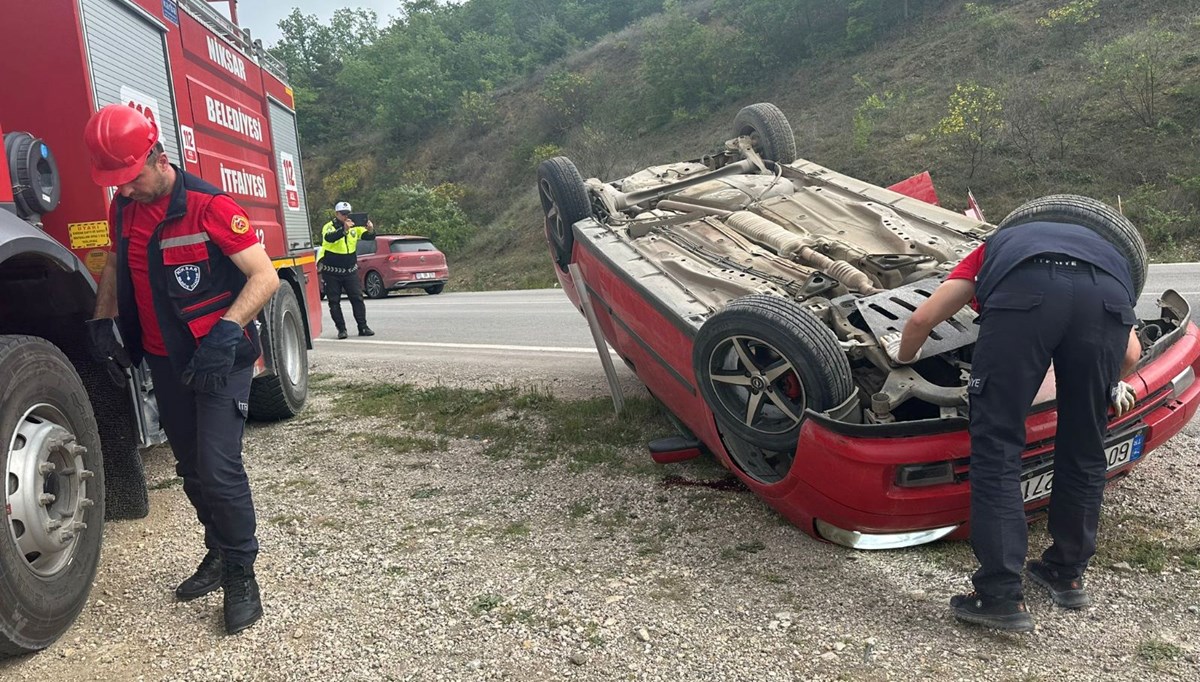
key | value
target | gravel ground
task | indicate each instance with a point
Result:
(449, 565)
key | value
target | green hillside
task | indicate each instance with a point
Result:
(436, 123)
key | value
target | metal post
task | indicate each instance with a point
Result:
(614, 385)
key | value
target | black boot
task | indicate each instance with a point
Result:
(207, 578)
(342, 334)
(992, 612)
(365, 331)
(243, 605)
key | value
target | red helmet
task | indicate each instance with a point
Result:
(119, 138)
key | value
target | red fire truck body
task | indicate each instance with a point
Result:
(224, 114)
(69, 436)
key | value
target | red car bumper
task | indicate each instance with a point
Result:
(849, 482)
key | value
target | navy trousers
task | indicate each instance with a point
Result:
(205, 433)
(335, 284)
(1079, 317)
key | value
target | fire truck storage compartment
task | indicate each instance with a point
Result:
(291, 183)
(127, 57)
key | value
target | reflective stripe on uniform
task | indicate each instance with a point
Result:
(185, 240)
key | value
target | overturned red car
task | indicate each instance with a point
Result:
(748, 289)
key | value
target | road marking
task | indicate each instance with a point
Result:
(470, 346)
(1181, 293)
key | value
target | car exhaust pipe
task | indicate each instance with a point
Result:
(796, 247)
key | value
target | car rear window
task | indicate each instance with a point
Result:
(412, 245)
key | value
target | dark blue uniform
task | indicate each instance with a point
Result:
(1047, 292)
(192, 284)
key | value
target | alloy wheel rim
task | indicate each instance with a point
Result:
(756, 384)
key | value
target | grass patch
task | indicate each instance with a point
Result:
(1145, 542)
(167, 483)
(486, 602)
(284, 519)
(1158, 651)
(318, 377)
(425, 493)
(741, 550)
(580, 508)
(529, 425)
(516, 529)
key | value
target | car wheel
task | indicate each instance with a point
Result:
(374, 286)
(435, 289)
(769, 131)
(1094, 215)
(53, 496)
(565, 202)
(761, 362)
(283, 394)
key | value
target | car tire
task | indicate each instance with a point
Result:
(769, 131)
(49, 548)
(1094, 215)
(435, 289)
(565, 202)
(373, 285)
(795, 363)
(282, 395)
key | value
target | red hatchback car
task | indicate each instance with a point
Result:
(749, 290)
(393, 262)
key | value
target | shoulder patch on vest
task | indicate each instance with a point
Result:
(188, 276)
(240, 224)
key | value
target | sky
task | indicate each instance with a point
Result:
(261, 16)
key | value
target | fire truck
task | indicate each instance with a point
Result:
(70, 436)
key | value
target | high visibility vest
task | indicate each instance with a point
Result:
(345, 245)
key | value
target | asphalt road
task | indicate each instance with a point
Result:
(536, 337)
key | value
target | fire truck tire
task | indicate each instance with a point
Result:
(282, 395)
(54, 491)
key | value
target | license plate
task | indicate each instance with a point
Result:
(426, 275)
(1038, 485)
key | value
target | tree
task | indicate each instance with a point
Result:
(1131, 68)
(972, 123)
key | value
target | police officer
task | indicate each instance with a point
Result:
(1048, 291)
(339, 267)
(188, 278)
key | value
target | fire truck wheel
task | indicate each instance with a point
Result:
(282, 395)
(54, 494)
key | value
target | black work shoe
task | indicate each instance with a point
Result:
(992, 612)
(365, 331)
(1066, 592)
(243, 605)
(207, 578)
(342, 334)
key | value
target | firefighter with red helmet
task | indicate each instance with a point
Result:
(188, 279)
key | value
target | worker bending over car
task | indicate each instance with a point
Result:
(1046, 291)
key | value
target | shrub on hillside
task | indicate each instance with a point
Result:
(477, 110)
(567, 98)
(1131, 69)
(428, 211)
(972, 125)
(1164, 216)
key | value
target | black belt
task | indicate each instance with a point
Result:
(1060, 261)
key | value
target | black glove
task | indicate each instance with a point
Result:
(213, 361)
(106, 350)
